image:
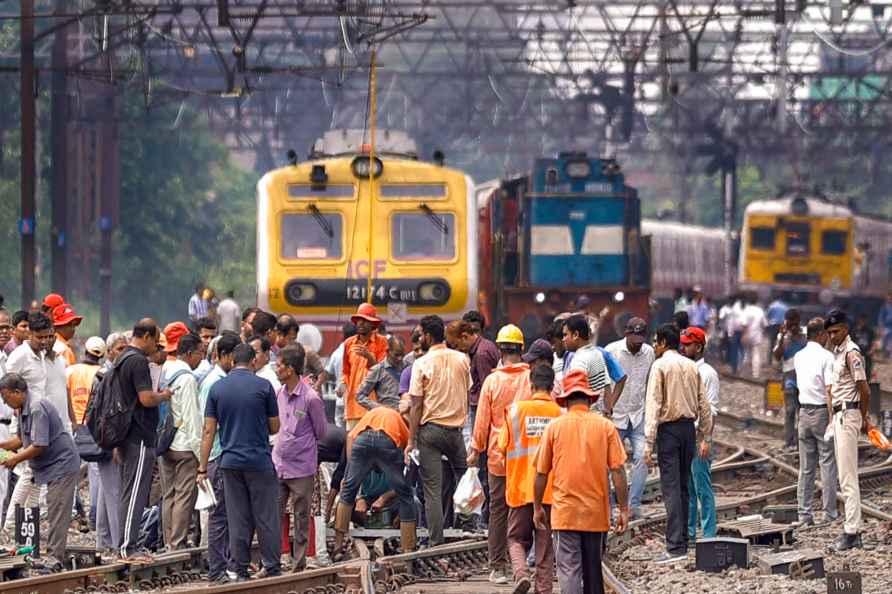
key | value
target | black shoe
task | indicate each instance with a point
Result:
(846, 542)
(220, 579)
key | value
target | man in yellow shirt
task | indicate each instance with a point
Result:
(525, 423)
(577, 450)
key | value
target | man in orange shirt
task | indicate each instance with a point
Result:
(378, 440)
(65, 323)
(524, 426)
(578, 449)
(507, 383)
(361, 352)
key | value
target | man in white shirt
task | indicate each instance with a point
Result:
(731, 320)
(333, 370)
(262, 365)
(635, 356)
(693, 344)
(754, 324)
(814, 374)
(179, 463)
(229, 314)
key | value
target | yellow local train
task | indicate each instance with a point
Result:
(326, 225)
(816, 248)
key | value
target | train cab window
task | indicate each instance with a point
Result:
(423, 236)
(833, 243)
(798, 239)
(312, 236)
(762, 238)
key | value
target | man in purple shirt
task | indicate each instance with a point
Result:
(295, 454)
(484, 356)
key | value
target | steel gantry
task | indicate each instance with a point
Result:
(491, 83)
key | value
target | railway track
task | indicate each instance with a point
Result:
(455, 562)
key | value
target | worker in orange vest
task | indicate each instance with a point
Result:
(525, 423)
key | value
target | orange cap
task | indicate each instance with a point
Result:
(173, 332)
(366, 311)
(52, 301)
(576, 381)
(64, 314)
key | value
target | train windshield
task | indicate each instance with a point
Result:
(312, 236)
(423, 236)
(762, 238)
(798, 236)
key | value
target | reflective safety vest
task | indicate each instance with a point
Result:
(524, 425)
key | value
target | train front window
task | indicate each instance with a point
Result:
(426, 235)
(762, 238)
(833, 243)
(312, 236)
(798, 239)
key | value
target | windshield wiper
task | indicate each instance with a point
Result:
(323, 222)
(434, 219)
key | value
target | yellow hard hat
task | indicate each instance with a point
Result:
(510, 334)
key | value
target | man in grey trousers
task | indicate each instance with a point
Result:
(244, 408)
(814, 368)
(43, 441)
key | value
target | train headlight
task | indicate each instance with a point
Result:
(579, 169)
(300, 293)
(433, 293)
(362, 167)
(619, 297)
(540, 297)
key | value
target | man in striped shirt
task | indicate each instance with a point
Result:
(198, 307)
(586, 356)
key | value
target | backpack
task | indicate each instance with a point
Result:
(109, 415)
(167, 429)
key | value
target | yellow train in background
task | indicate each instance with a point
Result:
(318, 220)
(818, 249)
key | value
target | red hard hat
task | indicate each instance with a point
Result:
(366, 311)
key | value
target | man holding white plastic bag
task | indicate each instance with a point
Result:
(439, 392)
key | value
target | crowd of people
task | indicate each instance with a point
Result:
(234, 415)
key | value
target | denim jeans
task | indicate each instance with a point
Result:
(700, 487)
(639, 470)
(376, 449)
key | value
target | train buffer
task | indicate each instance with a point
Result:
(758, 530)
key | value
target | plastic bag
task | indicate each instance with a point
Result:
(829, 433)
(469, 496)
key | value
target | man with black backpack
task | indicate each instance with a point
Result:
(136, 452)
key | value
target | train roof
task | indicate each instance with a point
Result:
(793, 204)
(654, 226)
(344, 142)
